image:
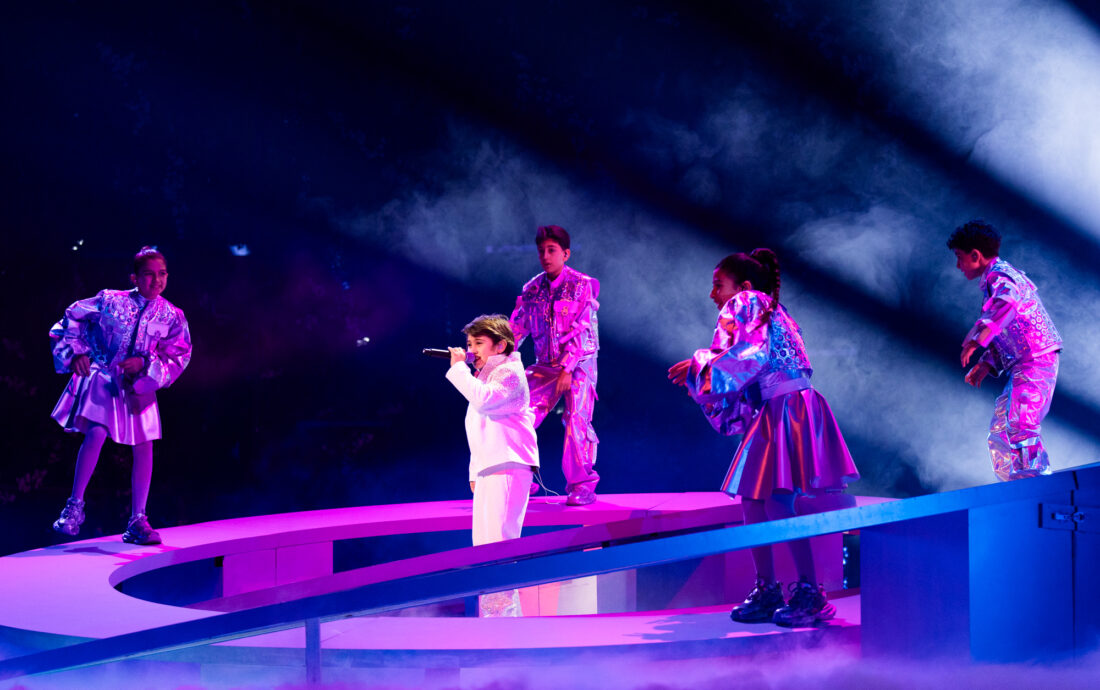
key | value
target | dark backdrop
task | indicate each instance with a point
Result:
(337, 185)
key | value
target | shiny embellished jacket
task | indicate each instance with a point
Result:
(117, 324)
(560, 320)
(1014, 325)
(748, 362)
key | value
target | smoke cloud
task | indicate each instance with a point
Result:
(855, 203)
(1015, 84)
(480, 226)
(867, 210)
(822, 668)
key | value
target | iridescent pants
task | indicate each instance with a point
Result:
(578, 457)
(1015, 446)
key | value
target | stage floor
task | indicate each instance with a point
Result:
(682, 633)
(69, 593)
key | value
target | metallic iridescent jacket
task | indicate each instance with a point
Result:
(1014, 325)
(107, 329)
(561, 321)
(747, 362)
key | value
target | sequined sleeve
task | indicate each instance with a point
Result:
(997, 312)
(738, 353)
(69, 335)
(502, 393)
(168, 358)
(577, 346)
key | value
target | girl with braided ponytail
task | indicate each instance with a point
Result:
(754, 380)
(120, 347)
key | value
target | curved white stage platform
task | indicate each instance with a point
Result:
(65, 594)
(931, 575)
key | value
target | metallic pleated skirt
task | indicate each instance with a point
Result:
(793, 445)
(98, 399)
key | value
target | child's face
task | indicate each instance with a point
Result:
(724, 287)
(970, 263)
(552, 257)
(483, 348)
(151, 278)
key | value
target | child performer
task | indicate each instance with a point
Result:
(557, 308)
(1022, 342)
(121, 346)
(755, 379)
(501, 432)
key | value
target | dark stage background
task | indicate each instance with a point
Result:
(337, 185)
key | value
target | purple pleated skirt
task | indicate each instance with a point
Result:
(793, 445)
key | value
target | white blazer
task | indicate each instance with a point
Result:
(500, 426)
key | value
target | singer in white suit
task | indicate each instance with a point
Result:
(500, 429)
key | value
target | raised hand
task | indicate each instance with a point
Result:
(458, 355)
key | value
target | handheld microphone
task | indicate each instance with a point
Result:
(446, 354)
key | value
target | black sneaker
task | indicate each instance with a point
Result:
(139, 532)
(760, 605)
(808, 605)
(72, 515)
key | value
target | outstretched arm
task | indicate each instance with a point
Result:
(737, 355)
(717, 378)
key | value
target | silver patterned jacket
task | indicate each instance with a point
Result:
(561, 320)
(748, 362)
(1014, 325)
(116, 324)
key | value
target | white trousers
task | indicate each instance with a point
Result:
(500, 502)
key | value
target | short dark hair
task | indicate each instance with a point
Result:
(145, 255)
(495, 327)
(552, 233)
(976, 234)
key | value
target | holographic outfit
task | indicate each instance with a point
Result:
(1021, 341)
(560, 317)
(755, 379)
(109, 328)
